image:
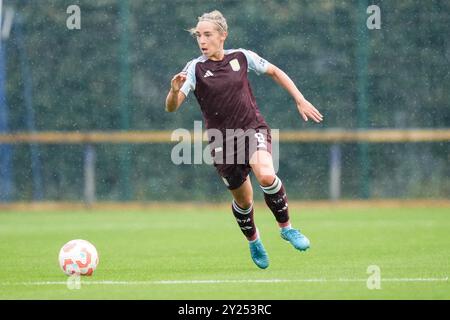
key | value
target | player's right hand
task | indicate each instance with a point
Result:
(178, 81)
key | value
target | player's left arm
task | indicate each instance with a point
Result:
(306, 109)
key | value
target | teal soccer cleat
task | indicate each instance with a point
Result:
(298, 240)
(259, 254)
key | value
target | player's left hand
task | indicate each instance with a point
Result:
(308, 111)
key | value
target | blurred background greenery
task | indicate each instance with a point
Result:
(114, 74)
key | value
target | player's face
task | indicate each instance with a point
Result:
(209, 39)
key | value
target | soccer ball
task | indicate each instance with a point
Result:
(78, 257)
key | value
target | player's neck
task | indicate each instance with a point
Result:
(218, 56)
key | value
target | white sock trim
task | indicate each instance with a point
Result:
(242, 211)
(274, 188)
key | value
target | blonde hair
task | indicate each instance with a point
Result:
(215, 17)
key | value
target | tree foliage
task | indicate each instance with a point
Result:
(76, 80)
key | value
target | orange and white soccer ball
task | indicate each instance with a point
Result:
(78, 257)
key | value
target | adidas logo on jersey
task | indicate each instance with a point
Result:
(208, 74)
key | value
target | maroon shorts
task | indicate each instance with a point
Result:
(232, 158)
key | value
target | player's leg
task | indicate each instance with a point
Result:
(274, 192)
(242, 208)
(275, 197)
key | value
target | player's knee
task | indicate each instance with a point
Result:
(244, 202)
(266, 180)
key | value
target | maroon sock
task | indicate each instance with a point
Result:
(244, 218)
(276, 200)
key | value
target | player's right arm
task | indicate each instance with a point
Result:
(176, 97)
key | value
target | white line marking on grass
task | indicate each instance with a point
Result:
(399, 280)
(224, 281)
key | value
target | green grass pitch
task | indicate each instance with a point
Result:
(200, 253)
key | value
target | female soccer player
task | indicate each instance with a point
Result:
(219, 81)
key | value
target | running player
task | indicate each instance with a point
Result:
(218, 79)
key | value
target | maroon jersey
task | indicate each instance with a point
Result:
(223, 91)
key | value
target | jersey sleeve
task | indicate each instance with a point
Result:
(255, 62)
(189, 84)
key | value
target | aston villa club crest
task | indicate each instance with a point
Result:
(235, 65)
